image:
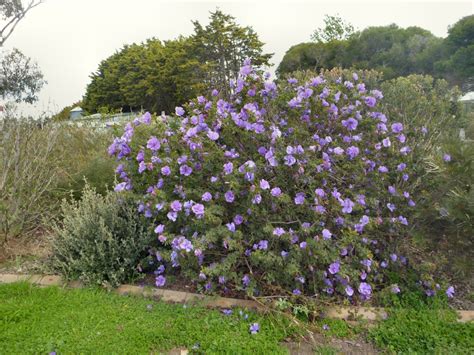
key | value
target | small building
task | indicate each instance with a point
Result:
(467, 100)
(76, 113)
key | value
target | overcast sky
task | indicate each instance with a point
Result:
(68, 38)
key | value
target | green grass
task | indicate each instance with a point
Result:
(42, 320)
(418, 326)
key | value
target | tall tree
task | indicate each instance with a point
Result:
(152, 76)
(157, 75)
(335, 29)
(20, 77)
(223, 45)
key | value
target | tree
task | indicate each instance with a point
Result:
(157, 75)
(335, 29)
(224, 45)
(392, 50)
(313, 56)
(152, 76)
(20, 78)
(12, 12)
(458, 48)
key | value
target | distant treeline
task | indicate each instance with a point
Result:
(159, 75)
(391, 50)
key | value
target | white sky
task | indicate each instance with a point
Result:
(68, 38)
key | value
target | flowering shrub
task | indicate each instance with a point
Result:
(295, 188)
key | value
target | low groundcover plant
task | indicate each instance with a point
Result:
(285, 188)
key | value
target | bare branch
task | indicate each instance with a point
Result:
(17, 17)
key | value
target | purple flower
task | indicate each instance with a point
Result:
(347, 205)
(231, 227)
(276, 191)
(395, 289)
(297, 292)
(257, 199)
(370, 101)
(365, 289)
(299, 198)
(159, 229)
(350, 124)
(206, 196)
(246, 280)
(264, 185)
(326, 234)
(334, 268)
(397, 127)
(213, 135)
(227, 312)
(176, 206)
(172, 216)
(263, 245)
(349, 291)
(238, 219)
(290, 160)
(278, 231)
(166, 170)
(198, 210)
(447, 158)
(338, 151)
(352, 152)
(450, 292)
(401, 166)
(254, 328)
(160, 281)
(229, 196)
(185, 170)
(391, 207)
(386, 142)
(320, 193)
(179, 111)
(153, 144)
(120, 187)
(228, 168)
(403, 220)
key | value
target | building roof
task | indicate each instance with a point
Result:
(469, 96)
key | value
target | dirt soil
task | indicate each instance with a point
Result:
(312, 343)
(25, 254)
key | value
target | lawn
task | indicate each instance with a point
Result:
(44, 320)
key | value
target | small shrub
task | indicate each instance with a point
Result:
(28, 174)
(100, 240)
(84, 158)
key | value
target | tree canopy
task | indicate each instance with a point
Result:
(159, 75)
(392, 50)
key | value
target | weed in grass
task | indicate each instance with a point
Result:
(417, 325)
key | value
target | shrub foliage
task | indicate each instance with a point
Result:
(295, 188)
(100, 240)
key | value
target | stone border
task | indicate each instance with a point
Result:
(336, 312)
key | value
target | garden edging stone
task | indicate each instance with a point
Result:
(171, 296)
